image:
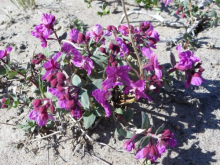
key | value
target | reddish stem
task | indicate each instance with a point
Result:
(21, 74)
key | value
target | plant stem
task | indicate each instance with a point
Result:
(190, 11)
(132, 41)
(57, 37)
(30, 80)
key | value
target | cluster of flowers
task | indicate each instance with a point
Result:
(153, 150)
(78, 52)
(45, 29)
(191, 66)
(40, 113)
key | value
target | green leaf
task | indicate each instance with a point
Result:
(76, 80)
(12, 74)
(121, 132)
(2, 71)
(100, 13)
(128, 114)
(47, 52)
(98, 83)
(7, 102)
(103, 6)
(88, 120)
(145, 121)
(14, 97)
(160, 129)
(119, 111)
(144, 141)
(84, 98)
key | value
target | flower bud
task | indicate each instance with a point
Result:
(52, 108)
(49, 78)
(201, 69)
(111, 59)
(111, 46)
(60, 88)
(183, 15)
(149, 129)
(36, 103)
(3, 103)
(40, 56)
(53, 83)
(42, 109)
(81, 38)
(60, 82)
(129, 145)
(87, 38)
(114, 64)
(114, 28)
(109, 27)
(61, 76)
(153, 154)
(71, 104)
(103, 50)
(33, 61)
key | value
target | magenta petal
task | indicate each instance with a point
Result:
(147, 52)
(45, 75)
(197, 80)
(97, 29)
(67, 48)
(33, 115)
(9, 49)
(56, 56)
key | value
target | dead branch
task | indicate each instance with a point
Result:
(189, 30)
(159, 18)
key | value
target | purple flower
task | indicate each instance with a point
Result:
(4, 53)
(45, 29)
(123, 47)
(123, 29)
(167, 138)
(76, 112)
(129, 145)
(138, 89)
(42, 33)
(73, 35)
(117, 74)
(48, 20)
(142, 153)
(161, 148)
(97, 33)
(67, 48)
(194, 79)
(102, 97)
(40, 118)
(166, 2)
(151, 33)
(150, 151)
(82, 61)
(153, 62)
(187, 59)
(51, 65)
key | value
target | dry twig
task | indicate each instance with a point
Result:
(159, 18)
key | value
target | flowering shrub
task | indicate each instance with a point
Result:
(96, 74)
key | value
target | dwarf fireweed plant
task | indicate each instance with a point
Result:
(98, 74)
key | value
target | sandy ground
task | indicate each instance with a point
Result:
(193, 115)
